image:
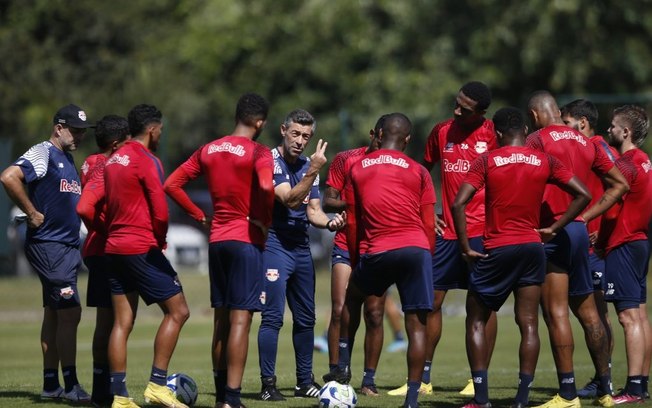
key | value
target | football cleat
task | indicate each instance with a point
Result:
(341, 375)
(269, 392)
(369, 390)
(558, 402)
(424, 389)
(474, 404)
(625, 398)
(468, 390)
(590, 390)
(397, 345)
(123, 402)
(310, 390)
(54, 394)
(604, 401)
(162, 395)
(77, 395)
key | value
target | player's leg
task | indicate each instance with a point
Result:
(477, 348)
(237, 346)
(125, 307)
(300, 294)
(395, 320)
(221, 330)
(526, 310)
(51, 385)
(339, 279)
(415, 325)
(175, 314)
(647, 330)
(374, 307)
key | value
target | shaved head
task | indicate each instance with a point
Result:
(543, 110)
(396, 130)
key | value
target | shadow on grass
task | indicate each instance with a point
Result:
(34, 397)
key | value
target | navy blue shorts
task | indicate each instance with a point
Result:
(506, 269)
(236, 275)
(449, 269)
(339, 255)
(150, 274)
(626, 274)
(569, 250)
(596, 265)
(56, 265)
(410, 268)
(99, 289)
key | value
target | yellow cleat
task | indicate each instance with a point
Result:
(123, 402)
(558, 402)
(162, 395)
(468, 390)
(424, 389)
(604, 401)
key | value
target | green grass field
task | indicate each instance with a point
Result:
(21, 365)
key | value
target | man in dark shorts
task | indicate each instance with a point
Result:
(390, 204)
(52, 244)
(514, 178)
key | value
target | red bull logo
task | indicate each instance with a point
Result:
(66, 186)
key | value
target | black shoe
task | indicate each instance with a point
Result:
(269, 392)
(341, 375)
(310, 390)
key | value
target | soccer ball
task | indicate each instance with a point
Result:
(336, 395)
(183, 387)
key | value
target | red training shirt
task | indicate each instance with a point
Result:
(91, 205)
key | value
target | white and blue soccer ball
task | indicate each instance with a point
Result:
(183, 387)
(336, 395)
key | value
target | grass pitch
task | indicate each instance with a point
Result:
(21, 363)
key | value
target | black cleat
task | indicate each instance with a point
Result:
(310, 390)
(269, 392)
(341, 375)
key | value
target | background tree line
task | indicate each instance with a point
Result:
(345, 61)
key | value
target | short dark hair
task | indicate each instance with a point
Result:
(109, 129)
(141, 116)
(479, 92)
(636, 119)
(251, 107)
(397, 125)
(507, 119)
(580, 108)
(380, 122)
(302, 117)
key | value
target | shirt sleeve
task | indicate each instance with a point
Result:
(534, 141)
(335, 177)
(628, 169)
(432, 155)
(477, 173)
(280, 176)
(192, 166)
(559, 174)
(314, 190)
(602, 162)
(427, 188)
(34, 162)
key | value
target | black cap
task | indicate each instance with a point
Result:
(72, 116)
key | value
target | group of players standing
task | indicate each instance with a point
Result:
(504, 194)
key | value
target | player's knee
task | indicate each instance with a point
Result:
(373, 318)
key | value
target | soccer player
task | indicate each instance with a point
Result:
(568, 280)
(514, 178)
(289, 270)
(334, 202)
(624, 239)
(137, 222)
(582, 115)
(455, 143)
(390, 203)
(110, 132)
(52, 243)
(239, 174)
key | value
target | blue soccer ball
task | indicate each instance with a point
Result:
(183, 387)
(336, 395)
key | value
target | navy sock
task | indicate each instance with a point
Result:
(480, 385)
(101, 382)
(524, 383)
(368, 377)
(119, 384)
(567, 388)
(605, 385)
(425, 377)
(232, 396)
(412, 394)
(158, 376)
(69, 377)
(332, 367)
(50, 379)
(219, 377)
(345, 356)
(634, 385)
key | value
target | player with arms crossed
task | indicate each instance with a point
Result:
(582, 115)
(239, 175)
(110, 132)
(568, 280)
(335, 201)
(289, 270)
(390, 203)
(514, 178)
(52, 243)
(137, 223)
(454, 144)
(624, 239)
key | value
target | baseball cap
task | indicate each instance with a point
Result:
(72, 116)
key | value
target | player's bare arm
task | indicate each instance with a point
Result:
(319, 219)
(332, 201)
(13, 181)
(292, 197)
(617, 188)
(581, 198)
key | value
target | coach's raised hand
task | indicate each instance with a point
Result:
(318, 158)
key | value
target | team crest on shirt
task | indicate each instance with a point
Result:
(60, 165)
(67, 292)
(272, 275)
(480, 146)
(449, 147)
(263, 297)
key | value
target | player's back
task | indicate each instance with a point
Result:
(93, 183)
(389, 189)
